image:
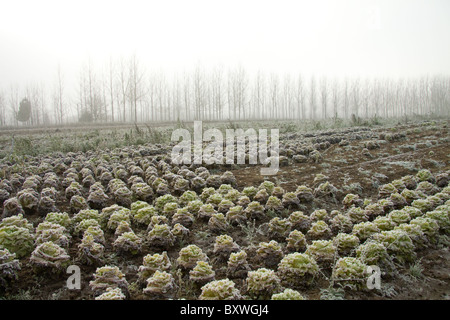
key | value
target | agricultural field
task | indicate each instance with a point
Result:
(108, 202)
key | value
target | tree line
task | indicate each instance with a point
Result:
(123, 90)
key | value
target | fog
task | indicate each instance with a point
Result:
(401, 38)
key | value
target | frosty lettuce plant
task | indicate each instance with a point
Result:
(118, 216)
(326, 189)
(161, 201)
(170, 208)
(215, 199)
(279, 228)
(350, 273)
(9, 267)
(183, 217)
(274, 204)
(385, 190)
(28, 200)
(254, 210)
(225, 205)
(235, 215)
(220, 290)
(151, 263)
(224, 245)
(297, 270)
(111, 294)
(399, 216)
(161, 236)
(189, 255)
(47, 231)
(398, 244)
(423, 205)
(143, 215)
(267, 185)
(261, 196)
(319, 230)
(269, 253)
(300, 221)
(96, 232)
(290, 200)
(365, 230)
(410, 182)
(357, 215)
(206, 211)
(161, 285)
(304, 194)
(202, 273)
(323, 252)
(372, 252)
(429, 227)
(128, 242)
(345, 243)
(142, 191)
(108, 277)
(237, 265)
(194, 206)
(232, 195)
(351, 200)
(83, 225)
(398, 200)
(441, 216)
(11, 207)
(425, 175)
(17, 240)
(250, 192)
(188, 196)
(373, 210)
(206, 193)
(341, 223)
(296, 241)
(416, 234)
(262, 283)
(89, 250)
(410, 195)
(86, 214)
(319, 215)
(288, 294)
(412, 211)
(50, 255)
(384, 223)
(427, 188)
(61, 218)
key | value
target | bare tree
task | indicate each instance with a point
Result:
(137, 89)
(312, 97)
(323, 87)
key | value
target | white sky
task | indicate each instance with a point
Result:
(333, 37)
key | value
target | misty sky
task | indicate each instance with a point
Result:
(331, 37)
